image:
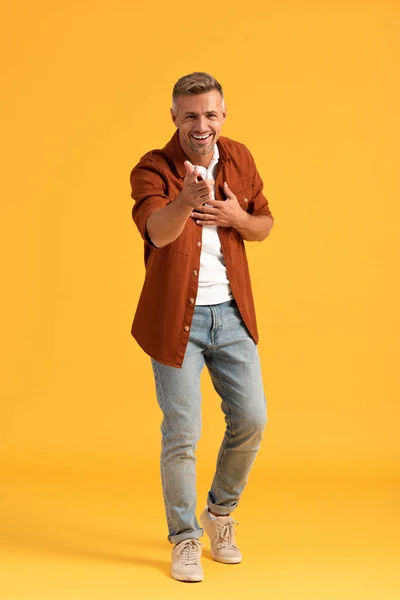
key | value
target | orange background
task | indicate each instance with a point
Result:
(313, 90)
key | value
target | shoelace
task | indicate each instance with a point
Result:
(188, 552)
(226, 534)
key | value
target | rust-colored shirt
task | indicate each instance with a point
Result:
(161, 325)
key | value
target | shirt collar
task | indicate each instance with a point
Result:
(215, 157)
(174, 152)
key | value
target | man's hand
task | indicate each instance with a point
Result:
(226, 213)
(166, 224)
(195, 192)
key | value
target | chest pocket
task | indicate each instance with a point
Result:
(243, 191)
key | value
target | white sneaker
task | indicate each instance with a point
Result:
(222, 538)
(186, 561)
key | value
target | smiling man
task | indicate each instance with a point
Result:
(196, 201)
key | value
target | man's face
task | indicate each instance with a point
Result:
(199, 119)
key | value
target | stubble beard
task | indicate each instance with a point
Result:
(199, 150)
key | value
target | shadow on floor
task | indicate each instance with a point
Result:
(49, 544)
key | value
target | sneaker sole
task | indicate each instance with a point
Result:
(187, 578)
(228, 561)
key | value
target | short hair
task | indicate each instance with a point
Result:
(195, 83)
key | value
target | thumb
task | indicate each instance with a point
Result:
(228, 192)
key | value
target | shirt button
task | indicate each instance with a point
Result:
(195, 272)
(187, 327)
(199, 244)
(191, 300)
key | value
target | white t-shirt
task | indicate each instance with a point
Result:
(214, 285)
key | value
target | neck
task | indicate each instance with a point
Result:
(202, 160)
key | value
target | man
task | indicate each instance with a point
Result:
(196, 200)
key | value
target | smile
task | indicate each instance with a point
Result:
(201, 137)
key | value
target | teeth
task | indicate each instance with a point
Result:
(201, 137)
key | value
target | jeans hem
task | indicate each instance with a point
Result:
(188, 535)
(220, 510)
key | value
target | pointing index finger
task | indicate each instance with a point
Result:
(191, 170)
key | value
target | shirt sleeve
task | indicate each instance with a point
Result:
(259, 204)
(149, 193)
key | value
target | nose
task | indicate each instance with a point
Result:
(202, 124)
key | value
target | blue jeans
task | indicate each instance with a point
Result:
(220, 340)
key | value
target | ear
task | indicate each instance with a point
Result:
(173, 116)
(224, 113)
